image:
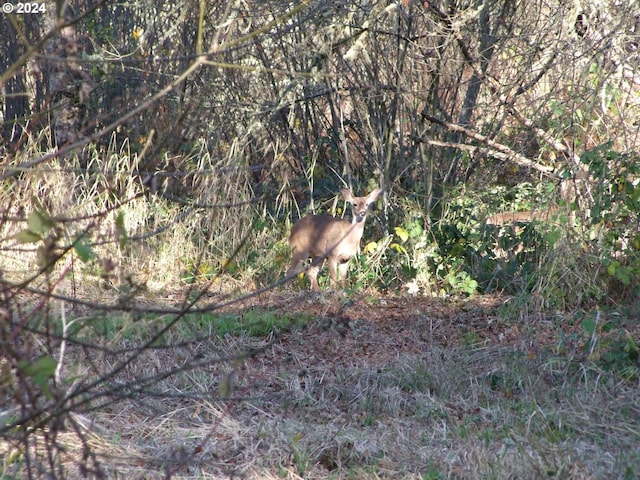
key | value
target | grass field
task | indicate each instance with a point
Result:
(306, 386)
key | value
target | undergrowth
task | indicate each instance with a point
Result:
(100, 287)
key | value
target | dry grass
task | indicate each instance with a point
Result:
(386, 388)
(188, 228)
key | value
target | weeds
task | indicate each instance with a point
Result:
(258, 389)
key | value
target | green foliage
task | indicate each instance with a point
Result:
(460, 281)
(254, 322)
(38, 224)
(614, 217)
(370, 268)
(83, 249)
(121, 229)
(40, 371)
(42, 229)
(431, 259)
(117, 327)
(301, 456)
(267, 264)
(49, 234)
(511, 258)
(610, 346)
(433, 473)
(456, 235)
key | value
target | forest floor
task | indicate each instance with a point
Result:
(398, 387)
(382, 387)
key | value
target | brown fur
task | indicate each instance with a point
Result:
(320, 236)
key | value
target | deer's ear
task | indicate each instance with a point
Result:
(373, 196)
(346, 194)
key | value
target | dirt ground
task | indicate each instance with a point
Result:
(408, 387)
(377, 327)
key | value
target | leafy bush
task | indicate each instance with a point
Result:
(612, 227)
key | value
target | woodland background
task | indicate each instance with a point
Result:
(155, 154)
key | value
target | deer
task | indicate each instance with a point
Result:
(323, 236)
(516, 221)
(510, 218)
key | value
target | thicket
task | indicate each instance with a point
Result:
(154, 147)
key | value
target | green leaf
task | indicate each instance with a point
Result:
(40, 371)
(589, 325)
(83, 249)
(39, 223)
(469, 285)
(631, 347)
(121, 230)
(624, 275)
(27, 236)
(552, 237)
(613, 267)
(415, 229)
